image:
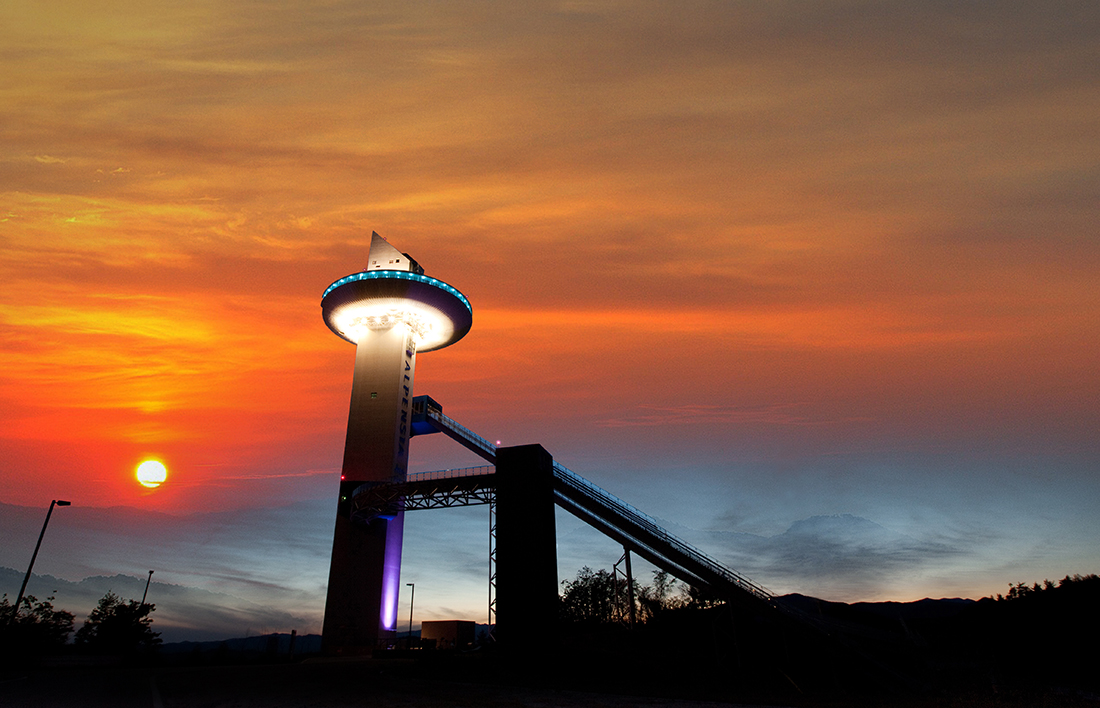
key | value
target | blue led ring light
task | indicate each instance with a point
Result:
(398, 275)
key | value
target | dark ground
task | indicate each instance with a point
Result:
(449, 680)
(319, 684)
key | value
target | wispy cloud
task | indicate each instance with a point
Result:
(843, 557)
(777, 414)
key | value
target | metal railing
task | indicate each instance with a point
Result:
(475, 442)
(450, 474)
(659, 540)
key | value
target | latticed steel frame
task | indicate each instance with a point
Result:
(436, 490)
(372, 501)
(446, 498)
(492, 570)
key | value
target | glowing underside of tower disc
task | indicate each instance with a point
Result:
(436, 313)
(431, 327)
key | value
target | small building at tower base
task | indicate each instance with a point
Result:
(448, 634)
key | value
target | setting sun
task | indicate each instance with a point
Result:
(151, 473)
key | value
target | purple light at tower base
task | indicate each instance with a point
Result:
(391, 573)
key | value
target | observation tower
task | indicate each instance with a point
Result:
(390, 311)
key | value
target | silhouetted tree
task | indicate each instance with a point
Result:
(118, 627)
(664, 594)
(701, 597)
(595, 597)
(35, 627)
(1054, 620)
(588, 598)
(601, 597)
(1019, 591)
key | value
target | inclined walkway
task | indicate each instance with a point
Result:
(605, 512)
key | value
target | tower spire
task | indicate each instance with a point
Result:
(384, 256)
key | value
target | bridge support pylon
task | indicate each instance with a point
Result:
(526, 548)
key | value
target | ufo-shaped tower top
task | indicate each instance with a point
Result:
(392, 289)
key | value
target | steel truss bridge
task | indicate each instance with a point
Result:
(635, 530)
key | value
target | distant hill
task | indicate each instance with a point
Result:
(266, 646)
(879, 612)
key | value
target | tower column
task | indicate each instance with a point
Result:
(389, 311)
(365, 571)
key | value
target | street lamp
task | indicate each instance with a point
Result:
(148, 580)
(55, 502)
(412, 599)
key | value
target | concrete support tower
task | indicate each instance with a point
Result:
(390, 311)
(527, 554)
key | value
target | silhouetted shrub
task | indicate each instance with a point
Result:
(117, 627)
(35, 629)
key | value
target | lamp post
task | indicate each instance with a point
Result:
(23, 588)
(146, 593)
(412, 599)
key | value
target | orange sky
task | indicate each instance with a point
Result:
(842, 245)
